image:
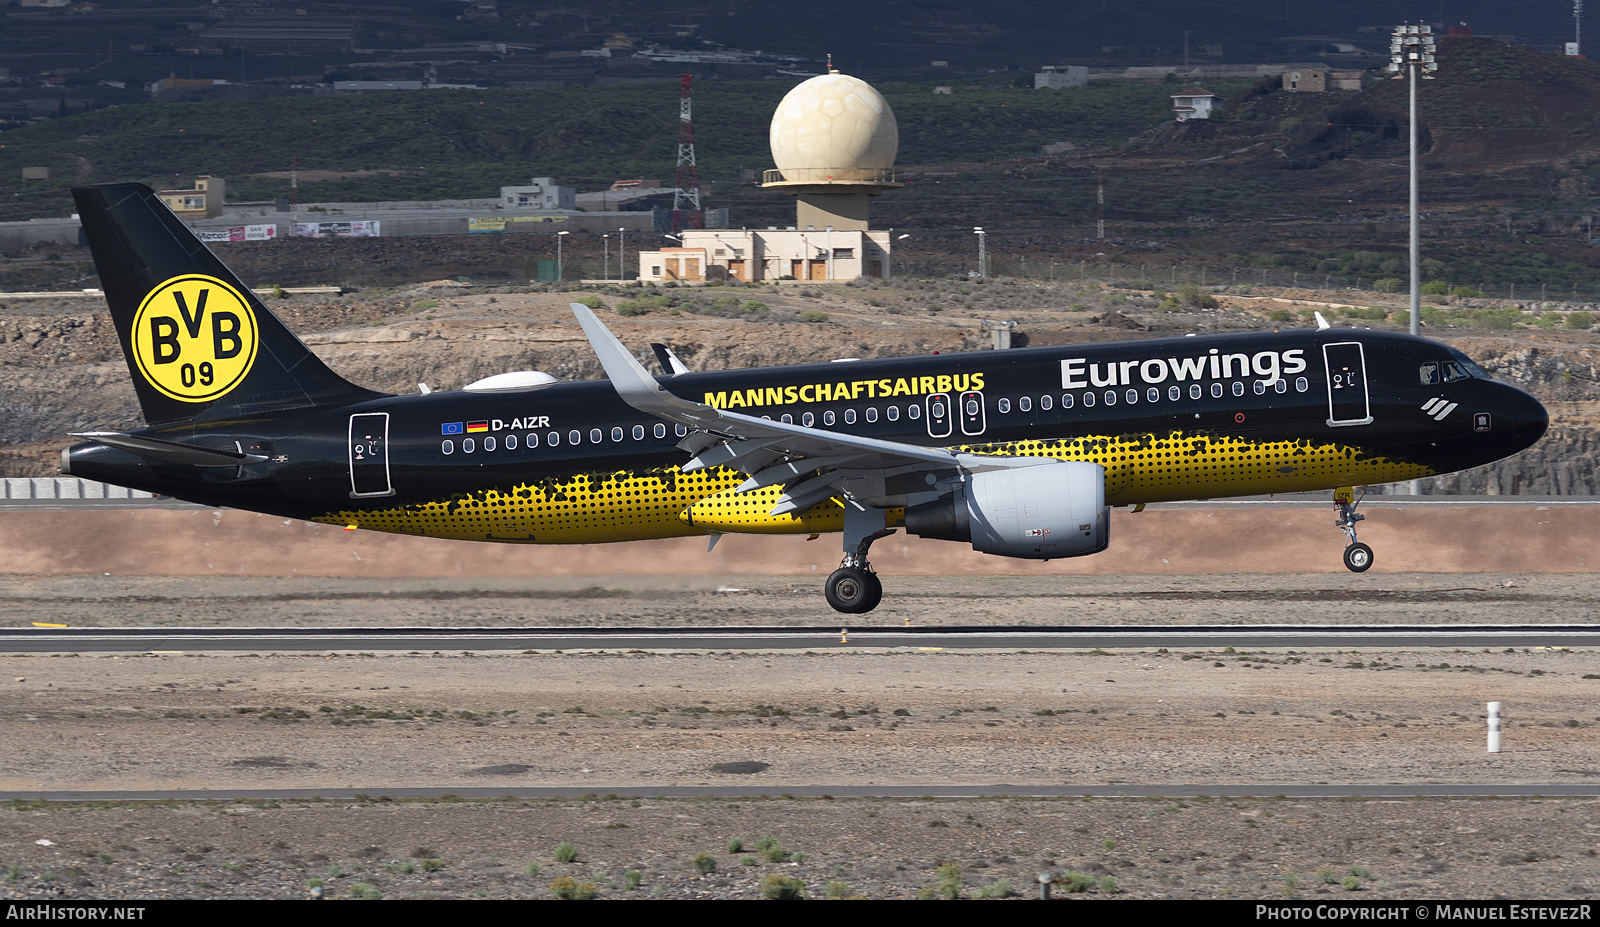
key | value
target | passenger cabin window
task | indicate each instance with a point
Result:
(1045, 402)
(1004, 405)
(532, 440)
(594, 436)
(849, 416)
(554, 438)
(661, 429)
(827, 417)
(913, 411)
(616, 433)
(448, 447)
(488, 444)
(1174, 393)
(511, 442)
(1024, 404)
(872, 413)
(807, 419)
(467, 446)
(893, 413)
(1194, 391)
(574, 436)
(1066, 401)
(638, 432)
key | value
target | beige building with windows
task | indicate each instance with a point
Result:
(202, 202)
(751, 255)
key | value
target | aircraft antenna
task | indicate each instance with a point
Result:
(686, 199)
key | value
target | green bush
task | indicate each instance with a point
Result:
(753, 306)
(592, 301)
(1386, 284)
(565, 852)
(735, 845)
(999, 888)
(948, 881)
(1580, 320)
(705, 864)
(812, 315)
(1436, 288)
(569, 889)
(775, 887)
(1190, 295)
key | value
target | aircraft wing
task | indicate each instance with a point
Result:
(776, 452)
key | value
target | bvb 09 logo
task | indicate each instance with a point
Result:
(194, 338)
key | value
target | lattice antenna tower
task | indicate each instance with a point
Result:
(686, 199)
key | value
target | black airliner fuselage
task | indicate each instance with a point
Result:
(1017, 452)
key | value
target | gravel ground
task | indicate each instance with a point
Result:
(701, 601)
(1196, 848)
(597, 721)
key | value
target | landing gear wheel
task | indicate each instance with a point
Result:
(1358, 558)
(875, 594)
(853, 590)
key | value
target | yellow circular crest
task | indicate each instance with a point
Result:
(194, 338)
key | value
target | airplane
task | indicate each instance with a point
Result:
(1019, 453)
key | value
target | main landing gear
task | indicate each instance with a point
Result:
(853, 588)
(1357, 556)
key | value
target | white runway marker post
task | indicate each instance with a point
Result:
(1494, 727)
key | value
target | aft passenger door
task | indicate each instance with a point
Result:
(1348, 401)
(369, 455)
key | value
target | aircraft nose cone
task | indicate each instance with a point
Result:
(1523, 417)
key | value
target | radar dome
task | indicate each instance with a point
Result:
(833, 124)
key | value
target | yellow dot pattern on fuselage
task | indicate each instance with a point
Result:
(1178, 466)
(665, 502)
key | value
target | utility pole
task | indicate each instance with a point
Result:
(1100, 196)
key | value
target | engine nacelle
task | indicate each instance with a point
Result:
(1040, 513)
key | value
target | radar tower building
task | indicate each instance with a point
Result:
(834, 141)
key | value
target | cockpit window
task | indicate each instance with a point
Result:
(1428, 373)
(1453, 371)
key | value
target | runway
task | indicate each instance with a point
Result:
(759, 639)
(953, 792)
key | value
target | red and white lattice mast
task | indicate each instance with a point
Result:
(686, 199)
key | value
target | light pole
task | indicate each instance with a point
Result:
(983, 252)
(561, 267)
(605, 244)
(622, 254)
(1411, 49)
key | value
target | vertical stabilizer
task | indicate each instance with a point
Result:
(199, 343)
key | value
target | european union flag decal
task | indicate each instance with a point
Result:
(450, 428)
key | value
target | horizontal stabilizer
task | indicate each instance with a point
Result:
(171, 451)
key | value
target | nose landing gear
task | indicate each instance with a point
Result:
(1357, 556)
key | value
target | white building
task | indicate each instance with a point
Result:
(1056, 77)
(541, 193)
(769, 254)
(1195, 103)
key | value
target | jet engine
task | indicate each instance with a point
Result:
(1042, 512)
